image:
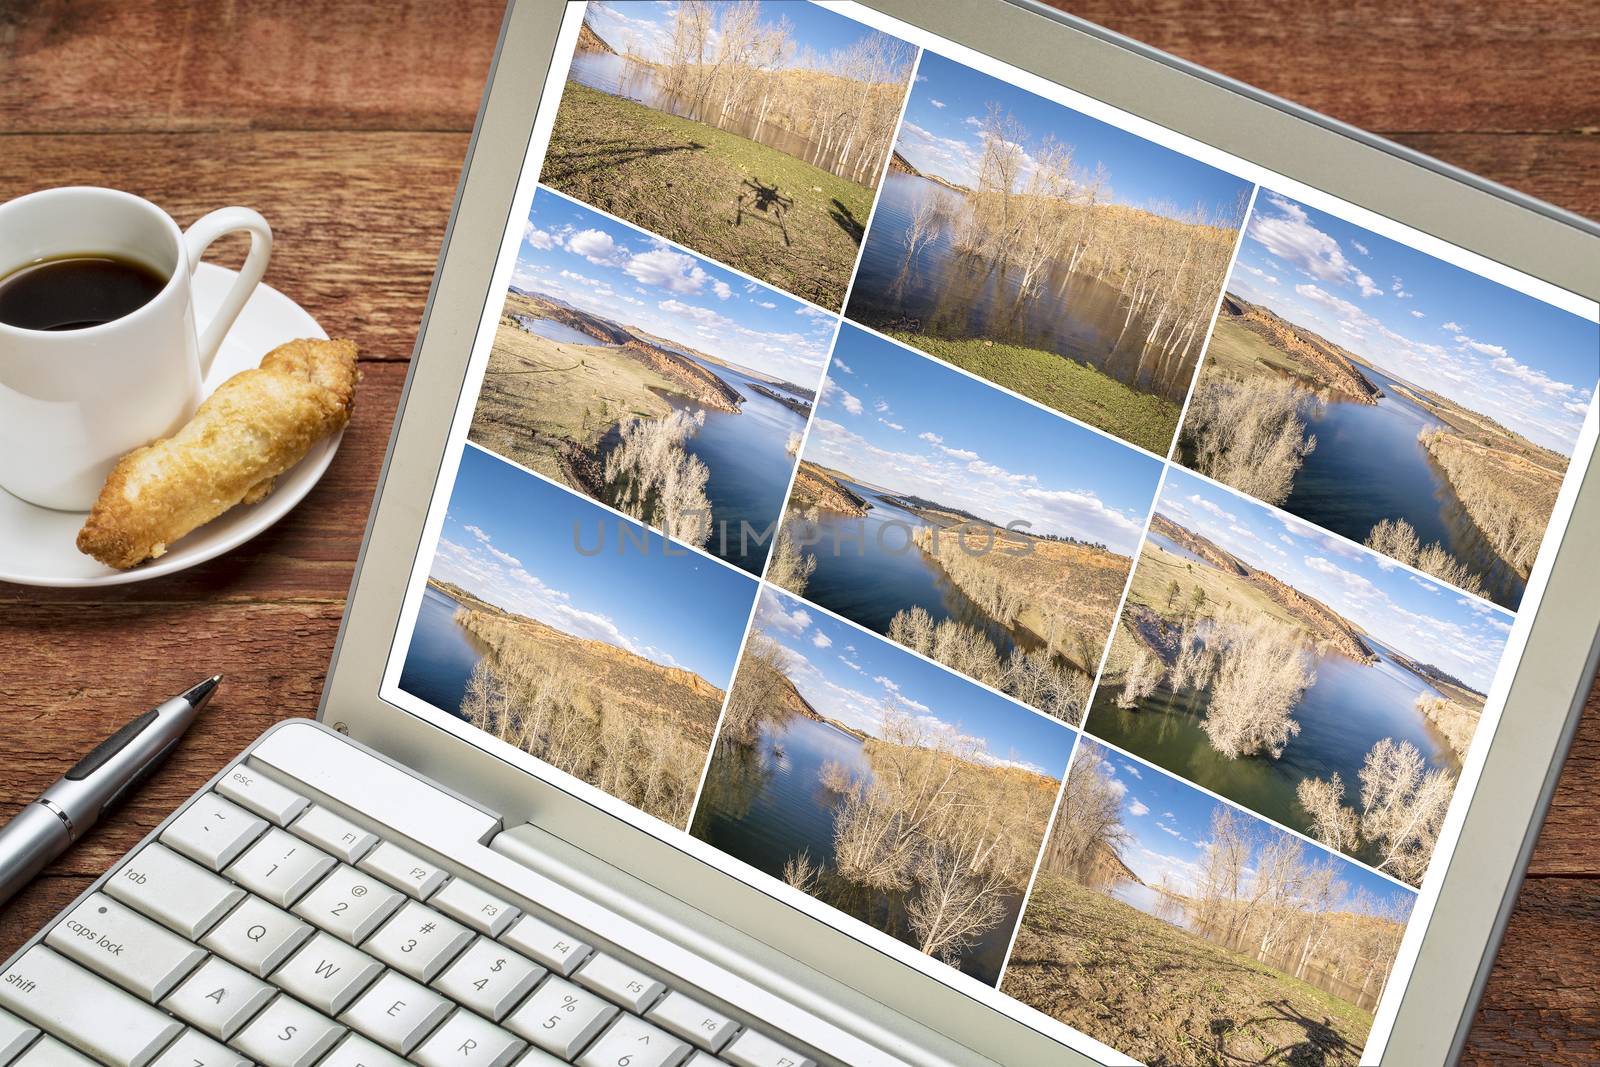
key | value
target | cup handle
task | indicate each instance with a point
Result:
(197, 238)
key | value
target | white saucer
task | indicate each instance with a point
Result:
(37, 545)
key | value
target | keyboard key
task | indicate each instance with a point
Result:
(287, 1034)
(561, 1018)
(280, 867)
(92, 1014)
(535, 1057)
(334, 833)
(173, 891)
(484, 913)
(257, 936)
(693, 1021)
(349, 904)
(489, 978)
(219, 998)
(212, 831)
(48, 1052)
(194, 1049)
(357, 1051)
(327, 973)
(412, 876)
(118, 943)
(632, 1042)
(418, 941)
(556, 949)
(703, 1059)
(470, 1041)
(752, 1049)
(256, 792)
(396, 1012)
(14, 1036)
(626, 985)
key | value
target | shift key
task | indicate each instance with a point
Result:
(87, 1012)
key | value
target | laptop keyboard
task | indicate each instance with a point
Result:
(263, 928)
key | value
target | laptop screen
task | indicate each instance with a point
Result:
(1067, 558)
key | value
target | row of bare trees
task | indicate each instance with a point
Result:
(1252, 436)
(651, 476)
(1397, 539)
(1510, 500)
(726, 65)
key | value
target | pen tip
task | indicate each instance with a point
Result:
(201, 693)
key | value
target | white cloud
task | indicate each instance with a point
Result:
(821, 640)
(833, 391)
(723, 290)
(598, 248)
(543, 240)
(1290, 236)
(892, 425)
(1137, 808)
(673, 271)
(931, 437)
(936, 103)
(1417, 314)
(1359, 247)
(692, 311)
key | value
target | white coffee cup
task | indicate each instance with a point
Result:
(73, 401)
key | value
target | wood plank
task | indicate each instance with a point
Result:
(157, 64)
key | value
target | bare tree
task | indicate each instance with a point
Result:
(1403, 805)
(1250, 437)
(1397, 539)
(1089, 824)
(1263, 668)
(1140, 678)
(958, 898)
(1331, 822)
(759, 691)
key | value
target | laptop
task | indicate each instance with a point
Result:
(915, 534)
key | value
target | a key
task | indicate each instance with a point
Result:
(489, 978)
(556, 949)
(280, 867)
(256, 792)
(754, 1049)
(412, 876)
(213, 831)
(194, 1049)
(538, 1057)
(348, 904)
(618, 981)
(418, 941)
(469, 1041)
(692, 1021)
(703, 1059)
(118, 943)
(173, 891)
(257, 936)
(218, 998)
(48, 1052)
(96, 1017)
(484, 913)
(396, 1012)
(334, 833)
(358, 1051)
(14, 1036)
(632, 1042)
(327, 973)
(561, 1018)
(287, 1034)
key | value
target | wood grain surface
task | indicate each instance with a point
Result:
(346, 124)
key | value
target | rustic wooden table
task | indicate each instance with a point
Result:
(346, 128)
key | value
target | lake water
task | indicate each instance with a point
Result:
(766, 804)
(442, 654)
(557, 331)
(621, 76)
(948, 294)
(1368, 466)
(1348, 709)
(868, 570)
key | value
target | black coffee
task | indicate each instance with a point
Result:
(75, 292)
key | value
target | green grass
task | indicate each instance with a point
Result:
(753, 207)
(1069, 387)
(1241, 352)
(1165, 996)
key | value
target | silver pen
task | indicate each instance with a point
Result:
(44, 829)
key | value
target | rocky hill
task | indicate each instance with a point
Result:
(1322, 361)
(815, 487)
(589, 41)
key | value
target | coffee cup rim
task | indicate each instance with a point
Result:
(133, 199)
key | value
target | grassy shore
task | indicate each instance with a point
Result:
(1072, 388)
(1165, 996)
(755, 208)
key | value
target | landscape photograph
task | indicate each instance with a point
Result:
(1179, 930)
(1390, 397)
(753, 131)
(651, 380)
(1305, 678)
(576, 636)
(972, 527)
(882, 785)
(1056, 255)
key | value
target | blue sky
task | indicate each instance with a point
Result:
(509, 537)
(847, 674)
(912, 425)
(1530, 366)
(624, 274)
(1416, 615)
(1171, 820)
(941, 135)
(645, 28)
